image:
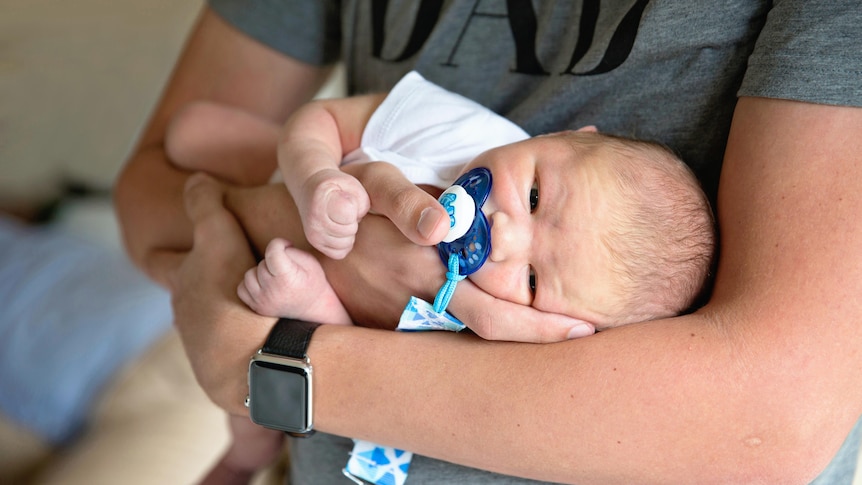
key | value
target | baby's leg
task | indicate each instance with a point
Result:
(226, 142)
(290, 282)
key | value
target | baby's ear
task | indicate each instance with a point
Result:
(589, 129)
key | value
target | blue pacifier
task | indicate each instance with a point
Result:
(467, 245)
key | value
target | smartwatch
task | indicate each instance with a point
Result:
(280, 380)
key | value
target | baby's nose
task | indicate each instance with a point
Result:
(508, 239)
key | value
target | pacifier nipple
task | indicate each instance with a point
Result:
(461, 209)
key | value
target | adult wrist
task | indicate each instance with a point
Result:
(281, 379)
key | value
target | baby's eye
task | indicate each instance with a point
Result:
(532, 281)
(534, 196)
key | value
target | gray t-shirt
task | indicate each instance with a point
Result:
(661, 70)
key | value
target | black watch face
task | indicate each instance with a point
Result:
(278, 396)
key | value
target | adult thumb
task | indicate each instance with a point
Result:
(415, 212)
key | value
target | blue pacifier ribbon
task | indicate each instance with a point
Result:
(468, 244)
(441, 301)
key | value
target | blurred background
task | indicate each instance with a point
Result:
(94, 385)
(77, 81)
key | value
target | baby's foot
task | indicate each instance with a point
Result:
(290, 282)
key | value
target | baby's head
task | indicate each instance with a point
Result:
(597, 227)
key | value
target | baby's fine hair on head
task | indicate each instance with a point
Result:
(661, 236)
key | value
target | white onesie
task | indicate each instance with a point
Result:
(430, 133)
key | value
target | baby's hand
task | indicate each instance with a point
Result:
(290, 282)
(332, 206)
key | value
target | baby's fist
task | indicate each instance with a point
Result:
(331, 219)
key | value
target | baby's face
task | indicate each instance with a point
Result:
(548, 199)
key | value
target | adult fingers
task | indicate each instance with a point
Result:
(495, 319)
(213, 224)
(163, 265)
(416, 213)
(203, 197)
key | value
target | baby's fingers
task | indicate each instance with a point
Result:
(335, 215)
(345, 208)
(249, 287)
(276, 261)
(335, 247)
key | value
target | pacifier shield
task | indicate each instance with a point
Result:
(472, 249)
(477, 183)
(473, 245)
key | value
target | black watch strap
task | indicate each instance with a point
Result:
(289, 338)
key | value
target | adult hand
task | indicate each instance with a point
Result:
(494, 319)
(219, 333)
(377, 278)
(416, 213)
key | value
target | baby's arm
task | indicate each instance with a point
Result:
(312, 145)
(231, 144)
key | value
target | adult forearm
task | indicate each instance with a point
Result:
(150, 212)
(266, 212)
(667, 402)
